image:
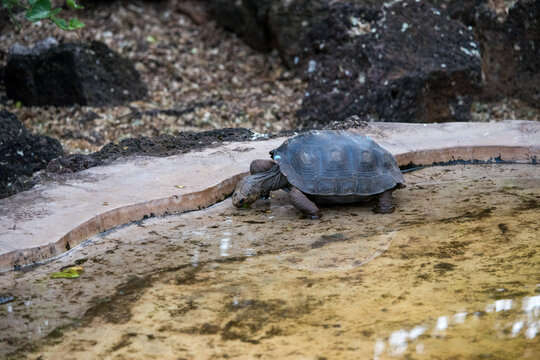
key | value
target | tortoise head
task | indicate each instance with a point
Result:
(247, 191)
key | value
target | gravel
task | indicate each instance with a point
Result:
(200, 77)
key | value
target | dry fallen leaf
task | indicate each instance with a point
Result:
(72, 272)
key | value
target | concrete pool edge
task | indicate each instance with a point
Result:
(117, 217)
(418, 144)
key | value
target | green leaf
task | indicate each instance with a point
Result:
(73, 4)
(54, 12)
(70, 273)
(39, 11)
(75, 24)
(61, 23)
(7, 4)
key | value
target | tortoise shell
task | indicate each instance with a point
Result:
(337, 162)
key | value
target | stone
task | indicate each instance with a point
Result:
(406, 63)
(291, 24)
(247, 18)
(22, 154)
(397, 61)
(464, 11)
(509, 45)
(401, 61)
(269, 24)
(71, 73)
(40, 47)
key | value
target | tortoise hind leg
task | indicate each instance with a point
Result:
(386, 203)
(300, 201)
(259, 166)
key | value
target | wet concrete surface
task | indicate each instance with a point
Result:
(452, 273)
(86, 203)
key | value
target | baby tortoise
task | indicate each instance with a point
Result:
(324, 166)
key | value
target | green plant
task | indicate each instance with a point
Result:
(37, 10)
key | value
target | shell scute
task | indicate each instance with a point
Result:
(337, 162)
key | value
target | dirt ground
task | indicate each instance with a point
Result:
(203, 76)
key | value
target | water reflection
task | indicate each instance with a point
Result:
(442, 323)
(529, 319)
(531, 306)
(195, 258)
(224, 245)
(518, 325)
(459, 318)
(398, 342)
(499, 305)
(532, 330)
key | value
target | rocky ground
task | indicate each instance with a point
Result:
(207, 76)
(203, 76)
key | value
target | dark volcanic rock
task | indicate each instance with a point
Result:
(311, 31)
(511, 51)
(461, 10)
(406, 63)
(291, 23)
(267, 24)
(73, 73)
(395, 61)
(248, 18)
(305, 26)
(164, 145)
(21, 154)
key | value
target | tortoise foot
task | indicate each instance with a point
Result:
(314, 216)
(386, 204)
(384, 210)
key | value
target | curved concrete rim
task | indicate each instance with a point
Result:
(209, 195)
(114, 218)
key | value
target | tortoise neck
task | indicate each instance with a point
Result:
(271, 179)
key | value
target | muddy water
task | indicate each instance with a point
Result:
(453, 273)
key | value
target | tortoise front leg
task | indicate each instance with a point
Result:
(300, 201)
(259, 166)
(386, 203)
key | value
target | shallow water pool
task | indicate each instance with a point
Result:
(453, 273)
